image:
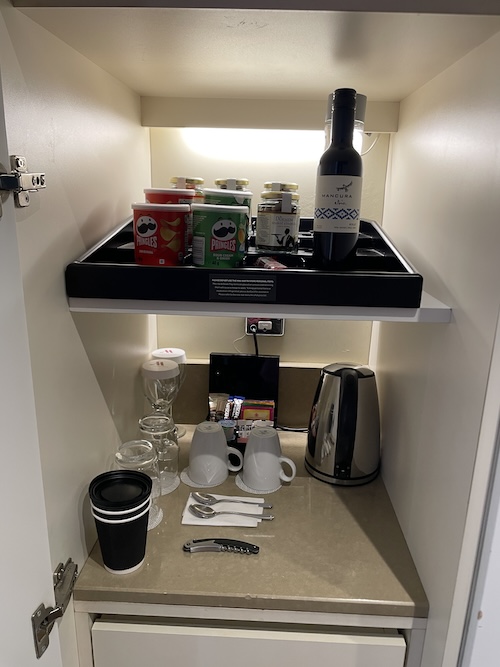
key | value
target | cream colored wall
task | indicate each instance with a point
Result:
(82, 128)
(441, 209)
(304, 341)
(171, 156)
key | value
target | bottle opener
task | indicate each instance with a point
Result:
(221, 544)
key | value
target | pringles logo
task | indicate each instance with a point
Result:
(223, 235)
(146, 232)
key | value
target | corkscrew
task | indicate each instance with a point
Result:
(221, 544)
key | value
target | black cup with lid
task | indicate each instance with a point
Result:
(120, 501)
(119, 490)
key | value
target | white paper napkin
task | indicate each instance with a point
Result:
(225, 519)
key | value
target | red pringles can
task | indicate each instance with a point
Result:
(173, 196)
(160, 232)
(169, 196)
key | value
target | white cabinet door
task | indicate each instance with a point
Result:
(123, 644)
(25, 565)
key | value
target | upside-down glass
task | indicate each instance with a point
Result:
(160, 430)
(141, 455)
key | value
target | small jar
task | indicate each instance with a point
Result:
(190, 183)
(277, 224)
(276, 186)
(232, 183)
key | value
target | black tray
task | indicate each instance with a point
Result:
(377, 276)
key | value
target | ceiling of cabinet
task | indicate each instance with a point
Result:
(265, 54)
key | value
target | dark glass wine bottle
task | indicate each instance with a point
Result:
(338, 188)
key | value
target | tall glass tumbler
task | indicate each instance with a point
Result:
(161, 379)
(178, 355)
(160, 430)
(141, 455)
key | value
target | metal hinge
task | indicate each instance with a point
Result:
(43, 618)
(20, 181)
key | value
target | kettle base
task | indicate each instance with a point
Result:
(330, 479)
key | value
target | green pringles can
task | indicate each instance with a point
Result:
(224, 197)
(219, 235)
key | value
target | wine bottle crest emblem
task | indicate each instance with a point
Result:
(345, 188)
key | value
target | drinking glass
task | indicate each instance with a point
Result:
(160, 431)
(178, 355)
(141, 455)
(161, 384)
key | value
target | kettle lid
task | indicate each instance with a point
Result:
(337, 368)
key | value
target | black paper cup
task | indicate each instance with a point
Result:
(120, 501)
(118, 490)
(119, 514)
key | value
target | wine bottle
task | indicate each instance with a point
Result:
(338, 188)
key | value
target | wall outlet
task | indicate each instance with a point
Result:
(264, 326)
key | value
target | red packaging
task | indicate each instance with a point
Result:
(169, 196)
(160, 233)
(270, 263)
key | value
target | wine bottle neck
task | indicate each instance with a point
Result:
(342, 127)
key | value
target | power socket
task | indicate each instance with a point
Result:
(264, 326)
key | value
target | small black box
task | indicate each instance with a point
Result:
(247, 375)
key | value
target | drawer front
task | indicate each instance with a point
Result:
(127, 644)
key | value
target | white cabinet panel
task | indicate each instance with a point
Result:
(120, 644)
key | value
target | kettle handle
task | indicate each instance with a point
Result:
(346, 432)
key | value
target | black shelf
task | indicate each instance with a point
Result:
(378, 276)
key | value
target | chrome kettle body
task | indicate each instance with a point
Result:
(343, 441)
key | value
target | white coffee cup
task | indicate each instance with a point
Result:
(262, 464)
(208, 456)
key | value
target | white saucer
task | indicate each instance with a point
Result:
(241, 485)
(155, 517)
(181, 431)
(186, 479)
(171, 487)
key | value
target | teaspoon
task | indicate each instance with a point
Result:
(208, 499)
(206, 512)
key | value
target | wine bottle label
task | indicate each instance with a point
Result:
(337, 204)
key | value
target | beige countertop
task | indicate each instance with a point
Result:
(329, 549)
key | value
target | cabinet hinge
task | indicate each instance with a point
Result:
(43, 618)
(21, 182)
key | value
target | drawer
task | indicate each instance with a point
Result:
(133, 644)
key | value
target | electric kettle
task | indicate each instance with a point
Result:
(343, 441)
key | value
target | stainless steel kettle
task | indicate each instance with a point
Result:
(343, 442)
